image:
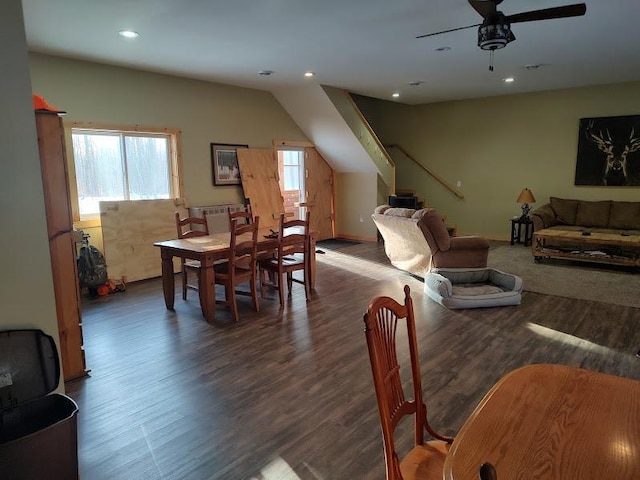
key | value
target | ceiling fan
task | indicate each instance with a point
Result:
(495, 30)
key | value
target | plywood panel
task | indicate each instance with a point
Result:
(129, 229)
(319, 186)
(259, 174)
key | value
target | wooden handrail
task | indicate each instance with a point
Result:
(370, 130)
(392, 164)
(441, 180)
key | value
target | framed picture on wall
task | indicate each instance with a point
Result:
(609, 151)
(224, 163)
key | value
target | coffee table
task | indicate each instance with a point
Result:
(609, 248)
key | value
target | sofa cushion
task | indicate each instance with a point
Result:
(399, 212)
(565, 210)
(625, 215)
(418, 214)
(381, 209)
(593, 214)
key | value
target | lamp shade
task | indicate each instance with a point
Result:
(526, 196)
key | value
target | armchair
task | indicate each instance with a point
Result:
(418, 240)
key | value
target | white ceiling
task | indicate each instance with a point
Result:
(364, 46)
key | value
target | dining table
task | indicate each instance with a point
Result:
(552, 422)
(208, 250)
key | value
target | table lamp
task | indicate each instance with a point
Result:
(525, 198)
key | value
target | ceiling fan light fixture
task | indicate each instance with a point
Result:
(493, 37)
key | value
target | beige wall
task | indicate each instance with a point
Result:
(496, 146)
(205, 112)
(26, 295)
(356, 198)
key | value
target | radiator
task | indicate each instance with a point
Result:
(217, 217)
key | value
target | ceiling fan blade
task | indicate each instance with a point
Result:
(548, 13)
(486, 8)
(447, 31)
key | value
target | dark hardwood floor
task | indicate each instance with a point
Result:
(287, 393)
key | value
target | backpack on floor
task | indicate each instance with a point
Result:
(92, 268)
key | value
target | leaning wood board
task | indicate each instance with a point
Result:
(319, 193)
(259, 174)
(129, 229)
(55, 183)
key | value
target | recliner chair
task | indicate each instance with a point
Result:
(418, 240)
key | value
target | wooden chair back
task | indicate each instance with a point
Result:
(243, 244)
(185, 226)
(185, 229)
(382, 321)
(241, 265)
(243, 216)
(294, 241)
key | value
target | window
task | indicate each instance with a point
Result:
(122, 165)
(291, 171)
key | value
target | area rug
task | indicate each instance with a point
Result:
(619, 286)
(335, 243)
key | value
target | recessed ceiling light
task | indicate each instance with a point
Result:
(395, 95)
(417, 83)
(265, 73)
(309, 74)
(128, 34)
(442, 49)
(533, 66)
(508, 80)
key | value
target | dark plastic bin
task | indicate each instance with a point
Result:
(38, 429)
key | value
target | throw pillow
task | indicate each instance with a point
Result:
(625, 215)
(565, 210)
(593, 214)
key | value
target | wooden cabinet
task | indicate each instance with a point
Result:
(55, 183)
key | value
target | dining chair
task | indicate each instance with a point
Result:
(293, 251)
(426, 459)
(244, 216)
(185, 227)
(241, 265)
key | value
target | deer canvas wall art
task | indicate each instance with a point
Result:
(609, 151)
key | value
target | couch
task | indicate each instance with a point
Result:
(606, 216)
(416, 240)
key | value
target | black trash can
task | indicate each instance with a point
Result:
(38, 429)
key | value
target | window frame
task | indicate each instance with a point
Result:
(175, 160)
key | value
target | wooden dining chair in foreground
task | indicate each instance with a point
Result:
(185, 227)
(426, 460)
(294, 248)
(241, 266)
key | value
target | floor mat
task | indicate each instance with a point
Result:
(335, 244)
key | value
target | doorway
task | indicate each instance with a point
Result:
(291, 172)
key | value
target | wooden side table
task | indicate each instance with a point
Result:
(517, 225)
